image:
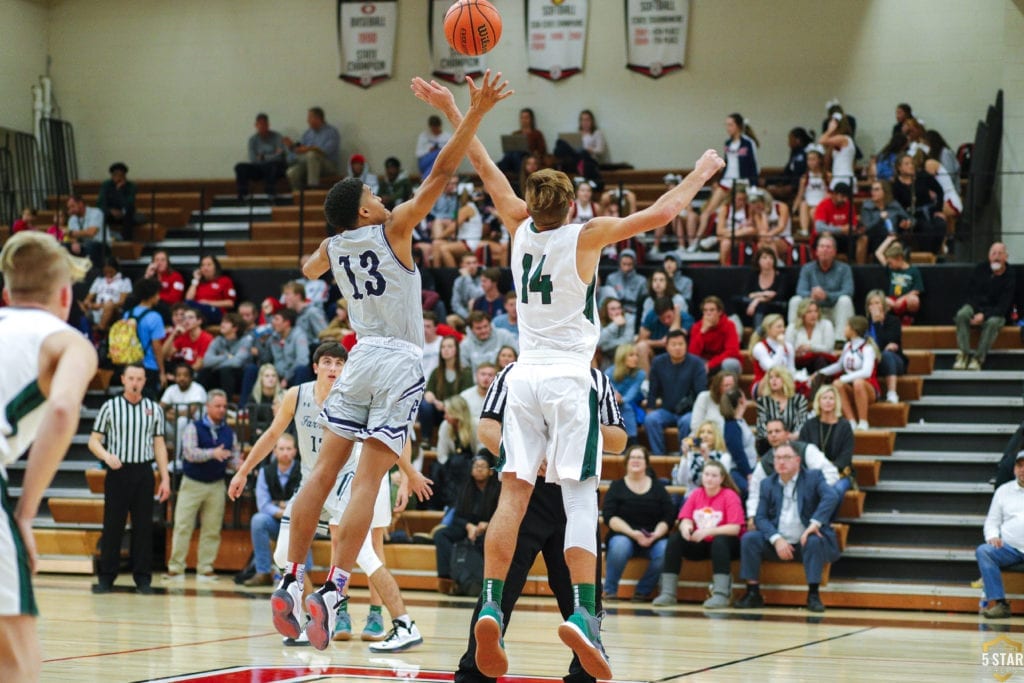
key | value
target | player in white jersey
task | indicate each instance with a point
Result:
(303, 404)
(378, 394)
(552, 409)
(45, 370)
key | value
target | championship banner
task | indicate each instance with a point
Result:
(656, 35)
(446, 63)
(556, 35)
(366, 40)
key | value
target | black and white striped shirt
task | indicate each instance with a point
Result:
(130, 428)
(607, 408)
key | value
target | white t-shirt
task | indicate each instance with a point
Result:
(431, 355)
(108, 291)
(174, 396)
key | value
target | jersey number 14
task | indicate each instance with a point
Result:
(535, 281)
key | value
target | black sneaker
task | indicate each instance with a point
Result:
(144, 589)
(814, 604)
(750, 601)
(102, 587)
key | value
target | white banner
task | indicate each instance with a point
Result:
(366, 40)
(656, 35)
(447, 64)
(556, 34)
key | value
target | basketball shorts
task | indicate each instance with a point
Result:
(340, 497)
(16, 596)
(551, 416)
(378, 393)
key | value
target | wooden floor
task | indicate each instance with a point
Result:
(221, 632)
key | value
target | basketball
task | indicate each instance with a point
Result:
(472, 27)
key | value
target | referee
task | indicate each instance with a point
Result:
(128, 436)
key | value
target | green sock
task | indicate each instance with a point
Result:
(585, 595)
(375, 609)
(343, 606)
(492, 590)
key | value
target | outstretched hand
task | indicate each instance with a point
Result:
(433, 93)
(709, 163)
(490, 92)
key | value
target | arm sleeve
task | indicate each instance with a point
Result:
(612, 501)
(803, 285)
(733, 513)
(842, 445)
(633, 391)
(668, 510)
(253, 154)
(994, 518)
(686, 512)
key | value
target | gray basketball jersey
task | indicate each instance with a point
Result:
(384, 297)
(310, 433)
(22, 333)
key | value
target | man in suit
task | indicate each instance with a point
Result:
(792, 523)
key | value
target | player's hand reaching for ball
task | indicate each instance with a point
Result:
(709, 164)
(436, 95)
(490, 92)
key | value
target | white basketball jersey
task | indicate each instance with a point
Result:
(557, 310)
(311, 434)
(22, 333)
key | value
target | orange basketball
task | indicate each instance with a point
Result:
(472, 27)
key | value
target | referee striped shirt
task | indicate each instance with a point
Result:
(130, 428)
(607, 408)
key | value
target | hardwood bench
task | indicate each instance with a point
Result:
(944, 337)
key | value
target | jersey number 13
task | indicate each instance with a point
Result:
(370, 262)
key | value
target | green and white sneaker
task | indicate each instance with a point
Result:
(491, 659)
(582, 633)
(374, 629)
(342, 626)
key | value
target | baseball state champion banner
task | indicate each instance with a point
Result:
(656, 35)
(556, 35)
(446, 63)
(366, 40)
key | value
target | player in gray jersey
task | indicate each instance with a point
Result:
(44, 373)
(551, 407)
(377, 396)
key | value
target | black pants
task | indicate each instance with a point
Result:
(267, 171)
(152, 389)
(128, 490)
(542, 531)
(722, 550)
(444, 540)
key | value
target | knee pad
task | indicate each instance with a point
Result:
(281, 549)
(367, 559)
(580, 501)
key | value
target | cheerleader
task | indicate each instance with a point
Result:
(857, 370)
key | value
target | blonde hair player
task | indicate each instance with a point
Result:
(44, 373)
(552, 408)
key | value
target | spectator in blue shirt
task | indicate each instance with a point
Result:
(317, 153)
(509, 320)
(150, 328)
(675, 380)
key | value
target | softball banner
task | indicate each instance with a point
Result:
(556, 35)
(656, 35)
(366, 40)
(446, 63)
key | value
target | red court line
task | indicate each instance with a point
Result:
(279, 674)
(159, 647)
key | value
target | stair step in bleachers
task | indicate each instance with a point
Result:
(287, 230)
(944, 337)
(274, 247)
(271, 262)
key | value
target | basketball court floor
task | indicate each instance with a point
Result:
(222, 633)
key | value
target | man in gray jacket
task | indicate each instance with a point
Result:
(289, 349)
(829, 283)
(226, 355)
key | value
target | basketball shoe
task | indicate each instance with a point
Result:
(582, 633)
(374, 629)
(286, 606)
(323, 605)
(400, 638)
(342, 626)
(490, 647)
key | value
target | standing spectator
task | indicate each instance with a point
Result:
(509, 320)
(625, 284)
(813, 339)
(466, 286)
(85, 230)
(317, 154)
(905, 282)
(107, 294)
(627, 381)
(990, 292)
(1004, 540)
(211, 290)
(266, 159)
(831, 435)
(289, 348)
(277, 481)
(309, 318)
(150, 329)
(116, 200)
(128, 436)
(880, 216)
(707, 407)
(714, 338)
(835, 216)
(617, 327)
(429, 144)
(188, 342)
(395, 185)
(887, 332)
(226, 356)
(787, 185)
(827, 282)
(474, 508)
(483, 341)
(778, 400)
(490, 301)
(209, 448)
(172, 284)
(639, 514)
(448, 379)
(676, 379)
(766, 289)
(857, 370)
(838, 140)
(741, 164)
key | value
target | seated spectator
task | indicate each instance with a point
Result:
(710, 524)
(317, 154)
(395, 185)
(639, 514)
(835, 216)
(1004, 541)
(905, 282)
(250, 315)
(29, 217)
(706, 408)
(813, 188)
(259, 403)
(766, 290)
(811, 458)
(617, 327)
(887, 332)
(358, 168)
(448, 379)
(536, 145)
(466, 286)
(831, 435)
(705, 446)
(289, 347)
(116, 200)
(107, 295)
(456, 446)
(714, 338)
(778, 400)
(85, 235)
(483, 342)
(769, 349)
(429, 144)
(856, 373)
(791, 523)
(188, 342)
(583, 207)
(483, 376)
(440, 219)
(509, 319)
(990, 293)
(812, 338)
(921, 197)
(683, 284)
(582, 161)
(826, 281)
(226, 356)
(267, 159)
(625, 284)
(318, 290)
(654, 330)
(172, 284)
(490, 302)
(660, 285)
(627, 379)
(735, 222)
(209, 450)
(883, 165)
(474, 508)
(431, 344)
(276, 483)
(506, 356)
(182, 401)
(739, 440)
(309, 318)
(675, 380)
(339, 328)
(880, 216)
(211, 291)
(773, 222)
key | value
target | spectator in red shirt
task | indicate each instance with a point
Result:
(212, 292)
(188, 342)
(172, 284)
(836, 216)
(714, 338)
